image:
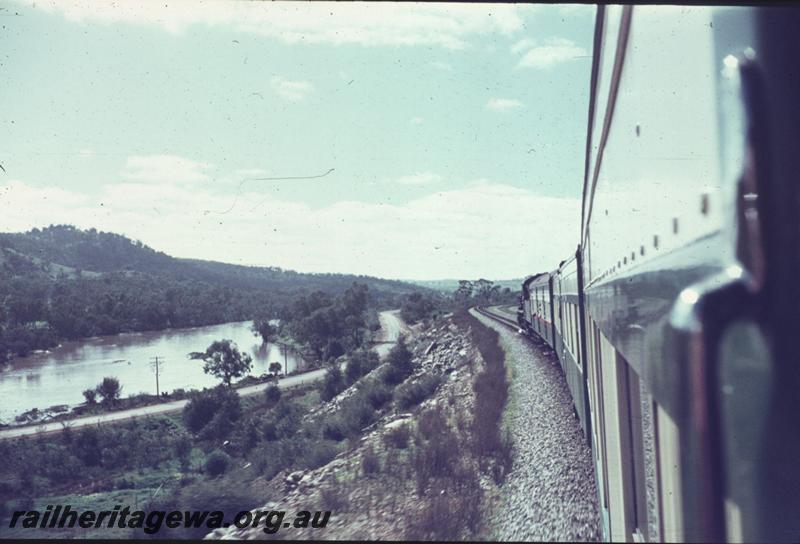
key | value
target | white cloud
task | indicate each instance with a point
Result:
(523, 44)
(444, 234)
(420, 178)
(503, 104)
(164, 169)
(391, 24)
(293, 91)
(555, 51)
(416, 120)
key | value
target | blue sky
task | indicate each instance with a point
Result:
(452, 135)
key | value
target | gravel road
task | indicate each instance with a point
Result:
(550, 494)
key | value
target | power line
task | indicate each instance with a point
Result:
(155, 364)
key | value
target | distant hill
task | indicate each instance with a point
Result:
(65, 250)
(61, 282)
(448, 286)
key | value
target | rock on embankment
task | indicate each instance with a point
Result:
(550, 494)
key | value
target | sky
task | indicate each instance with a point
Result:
(412, 141)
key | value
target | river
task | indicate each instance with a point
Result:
(60, 376)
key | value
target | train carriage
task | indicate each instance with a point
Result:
(675, 320)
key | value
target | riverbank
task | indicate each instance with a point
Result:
(57, 379)
(392, 327)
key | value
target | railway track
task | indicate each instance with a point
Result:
(500, 318)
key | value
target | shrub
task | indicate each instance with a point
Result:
(333, 383)
(87, 446)
(397, 437)
(377, 394)
(222, 494)
(316, 453)
(109, 389)
(288, 414)
(334, 498)
(334, 429)
(272, 394)
(90, 395)
(449, 513)
(217, 463)
(356, 414)
(411, 394)
(220, 405)
(183, 450)
(438, 450)
(359, 363)
(370, 463)
(399, 360)
(432, 422)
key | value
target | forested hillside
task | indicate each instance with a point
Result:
(65, 283)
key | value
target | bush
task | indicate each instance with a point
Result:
(491, 393)
(217, 463)
(316, 453)
(90, 395)
(334, 499)
(334, 429)
(411, 394)
(370, 463)
(356, 414)
(183, 449)
(397, 437)
(360, 363)
(399, 360)
(272, 394)
(222, 494)
(438, 450)
(377, 394)
(220, 405)
(109, 389)
(87, 446)
(333, 384)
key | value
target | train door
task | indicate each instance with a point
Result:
(598, 420)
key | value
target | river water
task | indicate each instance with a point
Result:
(60, 376)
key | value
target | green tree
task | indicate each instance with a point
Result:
(332, 384)
(262, 327)
(90, 395)
(272, 394)
(275, 369)
(400, 362)
(109, 389)
(224, 361)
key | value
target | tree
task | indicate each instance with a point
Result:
(224, 361)
(359, 363)
(275, 368)
(416, 307)
(272, 394)
(464, 292)
(109, 389)
(90, 395)
(263, 328)
(399, 358)
(487, 290)
(333, 383)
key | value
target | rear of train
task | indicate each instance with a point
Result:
(675, 320)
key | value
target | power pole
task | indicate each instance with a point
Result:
(155, 364)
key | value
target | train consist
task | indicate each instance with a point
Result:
(675, 321)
